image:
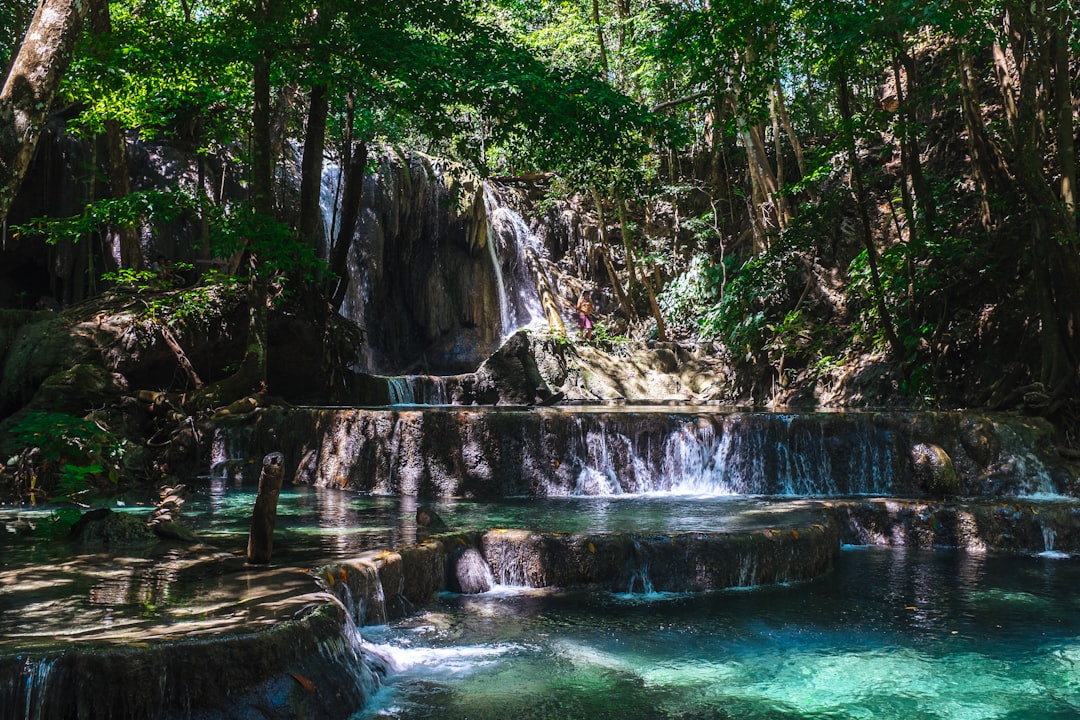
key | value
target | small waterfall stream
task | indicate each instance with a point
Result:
(511, 241)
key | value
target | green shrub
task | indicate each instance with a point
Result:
(59, 455)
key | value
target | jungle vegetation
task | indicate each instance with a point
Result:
(840, 182)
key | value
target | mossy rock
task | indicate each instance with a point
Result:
(934, 470)
(77, 390)
(104, 527)
(34, 351)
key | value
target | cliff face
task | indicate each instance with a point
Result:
(422, 282)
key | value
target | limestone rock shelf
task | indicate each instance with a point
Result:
(494, 452)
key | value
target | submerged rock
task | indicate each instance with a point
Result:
(104, 527)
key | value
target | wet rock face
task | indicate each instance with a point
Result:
(1011, 526)
(381, 586)
(679, 562)
(511, 376)
(421, 280)
(980, 440)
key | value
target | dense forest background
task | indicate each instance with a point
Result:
(829, 195)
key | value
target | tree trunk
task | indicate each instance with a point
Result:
(985, 157)
(789, 129)
(600, 37)
(131, 255)
(262, 152)
(908, 109)
(264, 515)
(251, 375)
(30, 86)
(1063, 118)
(311, 169)
(352, 197)
(864, 216)
(605, 250)
(661, 328)
(627, 241)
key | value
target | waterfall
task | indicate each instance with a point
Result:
(506, 318)
(640, 581)
(418, 390)
(1049, 536)
(510, 242)
(401, 391)
(330, 201)
(35, 690)
(553, 452)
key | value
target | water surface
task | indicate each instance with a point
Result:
(890, 634)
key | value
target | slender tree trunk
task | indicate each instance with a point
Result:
(789, 129)
(661, 328)
(311, 169)
(131, 255)
(864, 216)
(627, 240)
(352, 197)
(778, 146)
(909, 109)
(251, 375)
(985, 158)
(605, 251)
(600, 38)
(262, 153)
(906, 199)
(1063, 117)
(30, 86)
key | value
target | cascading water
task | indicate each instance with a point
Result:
(417, 390)
(562, 452)
(514, 247)
(330, 200)
(1049, 535)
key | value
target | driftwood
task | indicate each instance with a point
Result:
(263, 517)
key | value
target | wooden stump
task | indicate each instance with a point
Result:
(261, 537)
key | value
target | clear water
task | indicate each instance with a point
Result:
(52, 589)
(319, 525)
(890, 634)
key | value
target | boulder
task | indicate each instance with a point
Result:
(934, 471)
(468, 573)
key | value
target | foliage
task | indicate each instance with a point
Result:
(757, 318)
(149, 205)
(690, 295)
(13, 23)
(59, 455)
(605, 337)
